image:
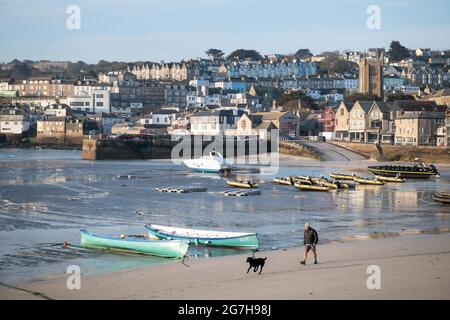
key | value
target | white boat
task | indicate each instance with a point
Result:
(214, 162)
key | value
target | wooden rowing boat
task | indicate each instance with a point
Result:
(161, 248)
(205, 237)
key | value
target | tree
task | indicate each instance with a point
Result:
(352, 98)
(334, 64)
(399, 96)
(303, 54)
(398, 52)
(291, 100)
(214, 54)
(244, 54)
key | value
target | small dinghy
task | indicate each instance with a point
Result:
(375, 182)
(205, 237)
(285, 181)
(242, 184)
(341, 176)
(389, 179)
(142, 245)
(442, 195)
(306, 187)
(436, 197)
(345, 185)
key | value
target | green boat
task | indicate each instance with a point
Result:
(205, 237)
(160, 248)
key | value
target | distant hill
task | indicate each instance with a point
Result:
(19, 70)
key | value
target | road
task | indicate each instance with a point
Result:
(331, 152)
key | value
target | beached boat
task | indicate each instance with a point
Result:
(214, 162)
(341, 176)
(360, 180)
(442, 194)
(390, 179)
(205, 237)
(326, 183)
(345, 185)
(161, 248)
(306, 187)
(301, 179)
(437, 198)
(242, 184)
(282, 180)
(418, 170)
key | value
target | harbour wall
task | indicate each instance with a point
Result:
(165, 147)
(398, 152)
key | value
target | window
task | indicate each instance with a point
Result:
(100, 96)
(99, 104)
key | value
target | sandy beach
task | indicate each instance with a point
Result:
(412, 267)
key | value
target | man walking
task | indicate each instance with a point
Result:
(310, 239)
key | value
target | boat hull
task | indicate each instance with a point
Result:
(401, 174)
(369, 182)
(304, 187)
(160, 248)
(241, 184)
(390, 179)
(283, 181)
(248, 241)
(441, 199)
(339, 176)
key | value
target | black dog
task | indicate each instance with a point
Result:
(255, 263)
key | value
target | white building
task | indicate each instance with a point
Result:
(214, 123)
(199, 102)
(14, 123)
(91, 99)
(409, 89)
(161, 117)
(57, 110)
(272, 70)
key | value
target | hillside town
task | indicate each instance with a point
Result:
(396, 96)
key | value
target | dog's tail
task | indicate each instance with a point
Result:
(265, 258)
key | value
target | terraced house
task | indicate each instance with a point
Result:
(359, 121)
(342, 122)
(400, 122)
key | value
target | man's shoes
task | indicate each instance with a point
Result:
(315, 262)
(303, 262)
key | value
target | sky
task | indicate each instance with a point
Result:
(171, 30)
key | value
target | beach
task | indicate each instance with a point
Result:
(411, 267)
(47, 199)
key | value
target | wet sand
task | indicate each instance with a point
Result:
(412, 267)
